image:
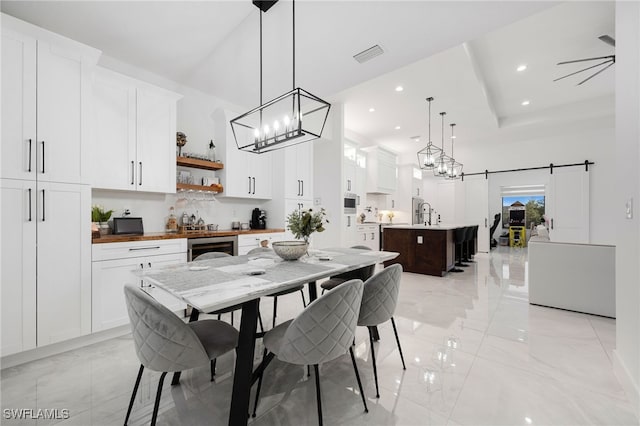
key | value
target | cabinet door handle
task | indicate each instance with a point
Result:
(29, 204)
(302, 191)
(365, 237)
(551, 223)
(43, 206)
(485, 222)
(42, 156)
(249, 185)
(140, 181)
(254, 185)
(149, 264)
(418, 189)
(348, 221)
(393, 204)
(144, 248)
(373, 236)
(357, 200)
(29, 169)
(298, 194)
(141, 266)
(133, 171)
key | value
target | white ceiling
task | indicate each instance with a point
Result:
(213, 46)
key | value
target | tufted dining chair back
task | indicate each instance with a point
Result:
(163, 342)
(380, 296)
(325, 330)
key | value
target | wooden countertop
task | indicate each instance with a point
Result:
(168, 236)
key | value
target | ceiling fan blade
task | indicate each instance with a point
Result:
(587, 59)
(589, 78)
(608, 39)
(609, 61)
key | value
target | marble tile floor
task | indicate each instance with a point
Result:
(477, 354)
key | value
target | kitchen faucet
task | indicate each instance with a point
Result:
(421, 211)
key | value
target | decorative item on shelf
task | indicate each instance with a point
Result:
(292, 118)
(212, 151)
(101, 217)
(181, 140)
(172, 221)
(454, 168)
(390, 215)
(427, 156)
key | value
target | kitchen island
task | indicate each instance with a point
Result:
(423, 249)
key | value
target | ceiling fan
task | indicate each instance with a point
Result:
(607, 61)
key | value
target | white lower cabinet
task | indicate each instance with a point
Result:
(248, 242)
(114, 265)
(369, 236)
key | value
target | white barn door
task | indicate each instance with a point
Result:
(567, 205)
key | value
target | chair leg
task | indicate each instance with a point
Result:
(355, 368)
(213, 369)
(275, 309)
(260, 321)
(219, 316)
(317, 370)
(323, 290)
(373, 358)
(395, 330)
(255, 403)
(304, 302)
(157, 403)
(231, 317)
(133, 395)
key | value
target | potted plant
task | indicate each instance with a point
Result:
(101, 217)
(302, 223)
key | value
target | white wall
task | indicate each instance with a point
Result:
(194, 119)
(627, 186)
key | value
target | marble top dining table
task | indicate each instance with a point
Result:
(214, 284)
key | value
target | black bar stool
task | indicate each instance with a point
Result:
(460, 234)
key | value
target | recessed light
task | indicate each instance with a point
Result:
(399, 89)
(525, 103)
(397, 127)
(521, 68)
(372, 110)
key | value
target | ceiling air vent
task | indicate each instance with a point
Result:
(368, 54)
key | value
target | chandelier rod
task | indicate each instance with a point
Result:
(294, 43)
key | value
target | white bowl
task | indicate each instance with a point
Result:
(290, 250)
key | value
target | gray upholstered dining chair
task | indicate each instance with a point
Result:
(321, 333)
(165, 343)
(228, 309)
(359, 274)
(299, 288)
(379, 300)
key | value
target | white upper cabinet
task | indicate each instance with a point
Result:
(45, 133)
(298, 171)
(134, 134)
(382, 171)
(416, 182)
(245, 175)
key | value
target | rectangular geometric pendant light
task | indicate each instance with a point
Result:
(292, 118)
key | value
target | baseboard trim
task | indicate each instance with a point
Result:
(628, 384)
(58, 348)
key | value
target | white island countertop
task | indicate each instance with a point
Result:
(441, 227)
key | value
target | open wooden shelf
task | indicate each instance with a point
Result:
(199, 164)
(187, 187)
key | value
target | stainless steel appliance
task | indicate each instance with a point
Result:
(417, 205)
(198, 246)
(350, 203)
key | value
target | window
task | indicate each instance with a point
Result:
(534, 208)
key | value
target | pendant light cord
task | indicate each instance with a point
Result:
(442, 114)
(261, 62)
(294, 43)
(452, 124)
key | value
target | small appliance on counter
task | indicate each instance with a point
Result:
(258, 219)
(127, 225)
(235, 225)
